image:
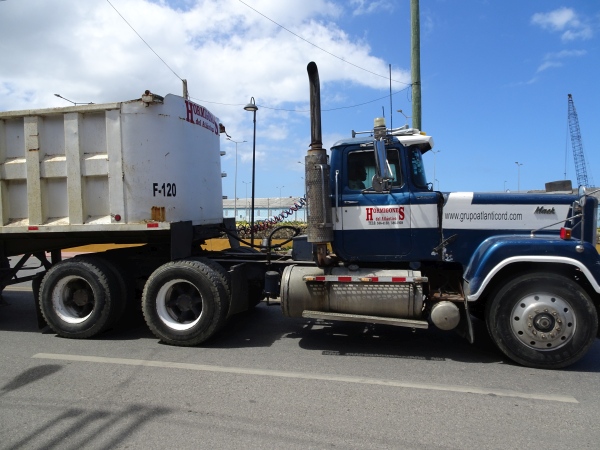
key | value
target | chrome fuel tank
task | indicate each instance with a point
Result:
(379, 298)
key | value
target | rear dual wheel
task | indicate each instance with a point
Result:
(80, 298)
(185, 302)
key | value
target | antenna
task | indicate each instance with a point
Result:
(391, 109)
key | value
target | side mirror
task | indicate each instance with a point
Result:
(383, 176)
(582, 196)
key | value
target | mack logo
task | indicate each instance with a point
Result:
(542, 210)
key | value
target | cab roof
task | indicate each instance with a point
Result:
(407, 138)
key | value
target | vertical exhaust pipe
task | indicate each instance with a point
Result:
(319, 223)
(316, 142)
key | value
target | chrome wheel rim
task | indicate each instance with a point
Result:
(179, 305)
(543, 321)
(73, 299)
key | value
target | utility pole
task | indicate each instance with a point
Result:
(415, 43)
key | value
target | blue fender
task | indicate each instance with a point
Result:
(497, 252)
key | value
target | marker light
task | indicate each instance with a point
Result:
(379, 122)
(565, 233)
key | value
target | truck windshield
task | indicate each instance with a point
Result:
(417, 169)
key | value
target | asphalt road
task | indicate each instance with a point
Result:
(271, 382)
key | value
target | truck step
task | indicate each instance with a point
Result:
(457, 298)
(368, 319)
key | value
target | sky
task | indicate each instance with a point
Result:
(495, 77)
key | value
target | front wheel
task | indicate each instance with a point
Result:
(544, 321)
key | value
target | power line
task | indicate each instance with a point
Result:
(301, 110)
(264, 106)
(143, 40)
(320, 48)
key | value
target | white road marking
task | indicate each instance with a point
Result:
(18, 288)
(308, 376)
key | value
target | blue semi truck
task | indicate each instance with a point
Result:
(405, 254)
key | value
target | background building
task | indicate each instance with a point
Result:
(264, 208)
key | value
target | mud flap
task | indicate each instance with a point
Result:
(181, 240)
(465, 327)
(239, 289)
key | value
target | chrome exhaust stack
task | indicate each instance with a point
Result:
(319, 222)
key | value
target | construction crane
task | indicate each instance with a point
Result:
(577, 145)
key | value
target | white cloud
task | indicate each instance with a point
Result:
(565, 54)
(553, 60)
(566, 21)
(362, 7)
(556, 20)
(227, 52)
(547, 65)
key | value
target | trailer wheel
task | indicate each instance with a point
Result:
(77, 298)
(124, 290)
(545, 321)
(225, 280)
(36, 282)
(184, 302)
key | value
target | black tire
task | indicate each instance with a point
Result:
(184, 302)
(124, 291)
(77, 298)
(224, 278)
(36, 282)
(541, 320)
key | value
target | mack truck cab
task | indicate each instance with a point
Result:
(390, 249)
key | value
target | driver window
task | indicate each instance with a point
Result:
(361, 169)
(359, 164)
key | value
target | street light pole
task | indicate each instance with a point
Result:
(235, 178)
(252, 107)
(518, 175)
(504, 185)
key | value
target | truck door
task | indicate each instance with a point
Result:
(375, 225)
